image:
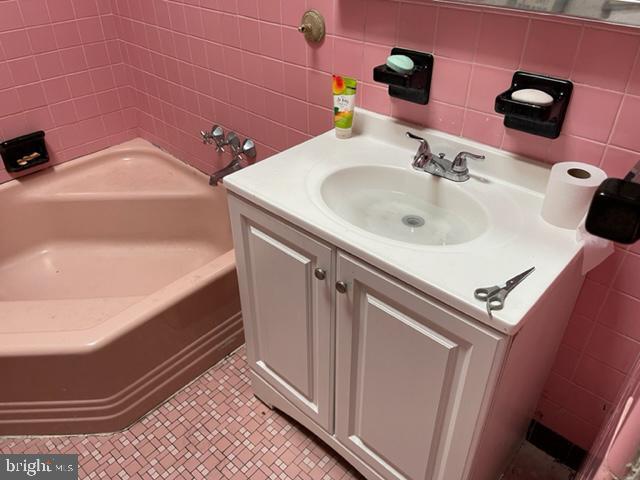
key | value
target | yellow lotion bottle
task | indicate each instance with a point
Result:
(344, 104)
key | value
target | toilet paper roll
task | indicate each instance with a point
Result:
(569, 193)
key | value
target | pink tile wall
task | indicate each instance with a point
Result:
(184, 65)
(600, 346)
(61, 70)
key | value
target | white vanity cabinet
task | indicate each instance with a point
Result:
(386, 355)
(412, 378)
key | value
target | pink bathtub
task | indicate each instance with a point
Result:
(117, 287)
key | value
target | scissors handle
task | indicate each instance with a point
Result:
(485, 293)
(496, 301)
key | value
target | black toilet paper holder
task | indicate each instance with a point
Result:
(614, 213)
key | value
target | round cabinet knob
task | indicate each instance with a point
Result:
(320, 274)
(341, 287)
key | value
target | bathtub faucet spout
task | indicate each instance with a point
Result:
(233, 166)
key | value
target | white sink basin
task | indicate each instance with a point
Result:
(404, 205)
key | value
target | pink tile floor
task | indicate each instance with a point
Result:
(216, 429)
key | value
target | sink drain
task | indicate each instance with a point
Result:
(413, 221)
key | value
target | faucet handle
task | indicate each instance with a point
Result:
(423, 156)
(217, 132)
(249, 148)
(234, 142)
(424, 148)
(460, 162)
(216, 135)
(416, 137)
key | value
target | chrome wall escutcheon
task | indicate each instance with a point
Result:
(312, 26)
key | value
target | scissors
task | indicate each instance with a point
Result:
(496, 295)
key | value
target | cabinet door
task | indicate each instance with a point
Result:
(411, 377)
(286, 308)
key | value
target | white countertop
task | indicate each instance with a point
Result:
(510, 188)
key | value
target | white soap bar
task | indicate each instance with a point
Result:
(532, 96)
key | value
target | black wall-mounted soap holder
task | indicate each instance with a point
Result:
(543, 120)
(24, 152)
(413, 87)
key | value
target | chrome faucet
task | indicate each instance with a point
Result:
(456, 170)
(239, 152)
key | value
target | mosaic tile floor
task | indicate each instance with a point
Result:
(215, 429)
(534, 464)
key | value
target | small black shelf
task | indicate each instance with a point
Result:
(24, 152)
(546, 120)
(413, 87)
